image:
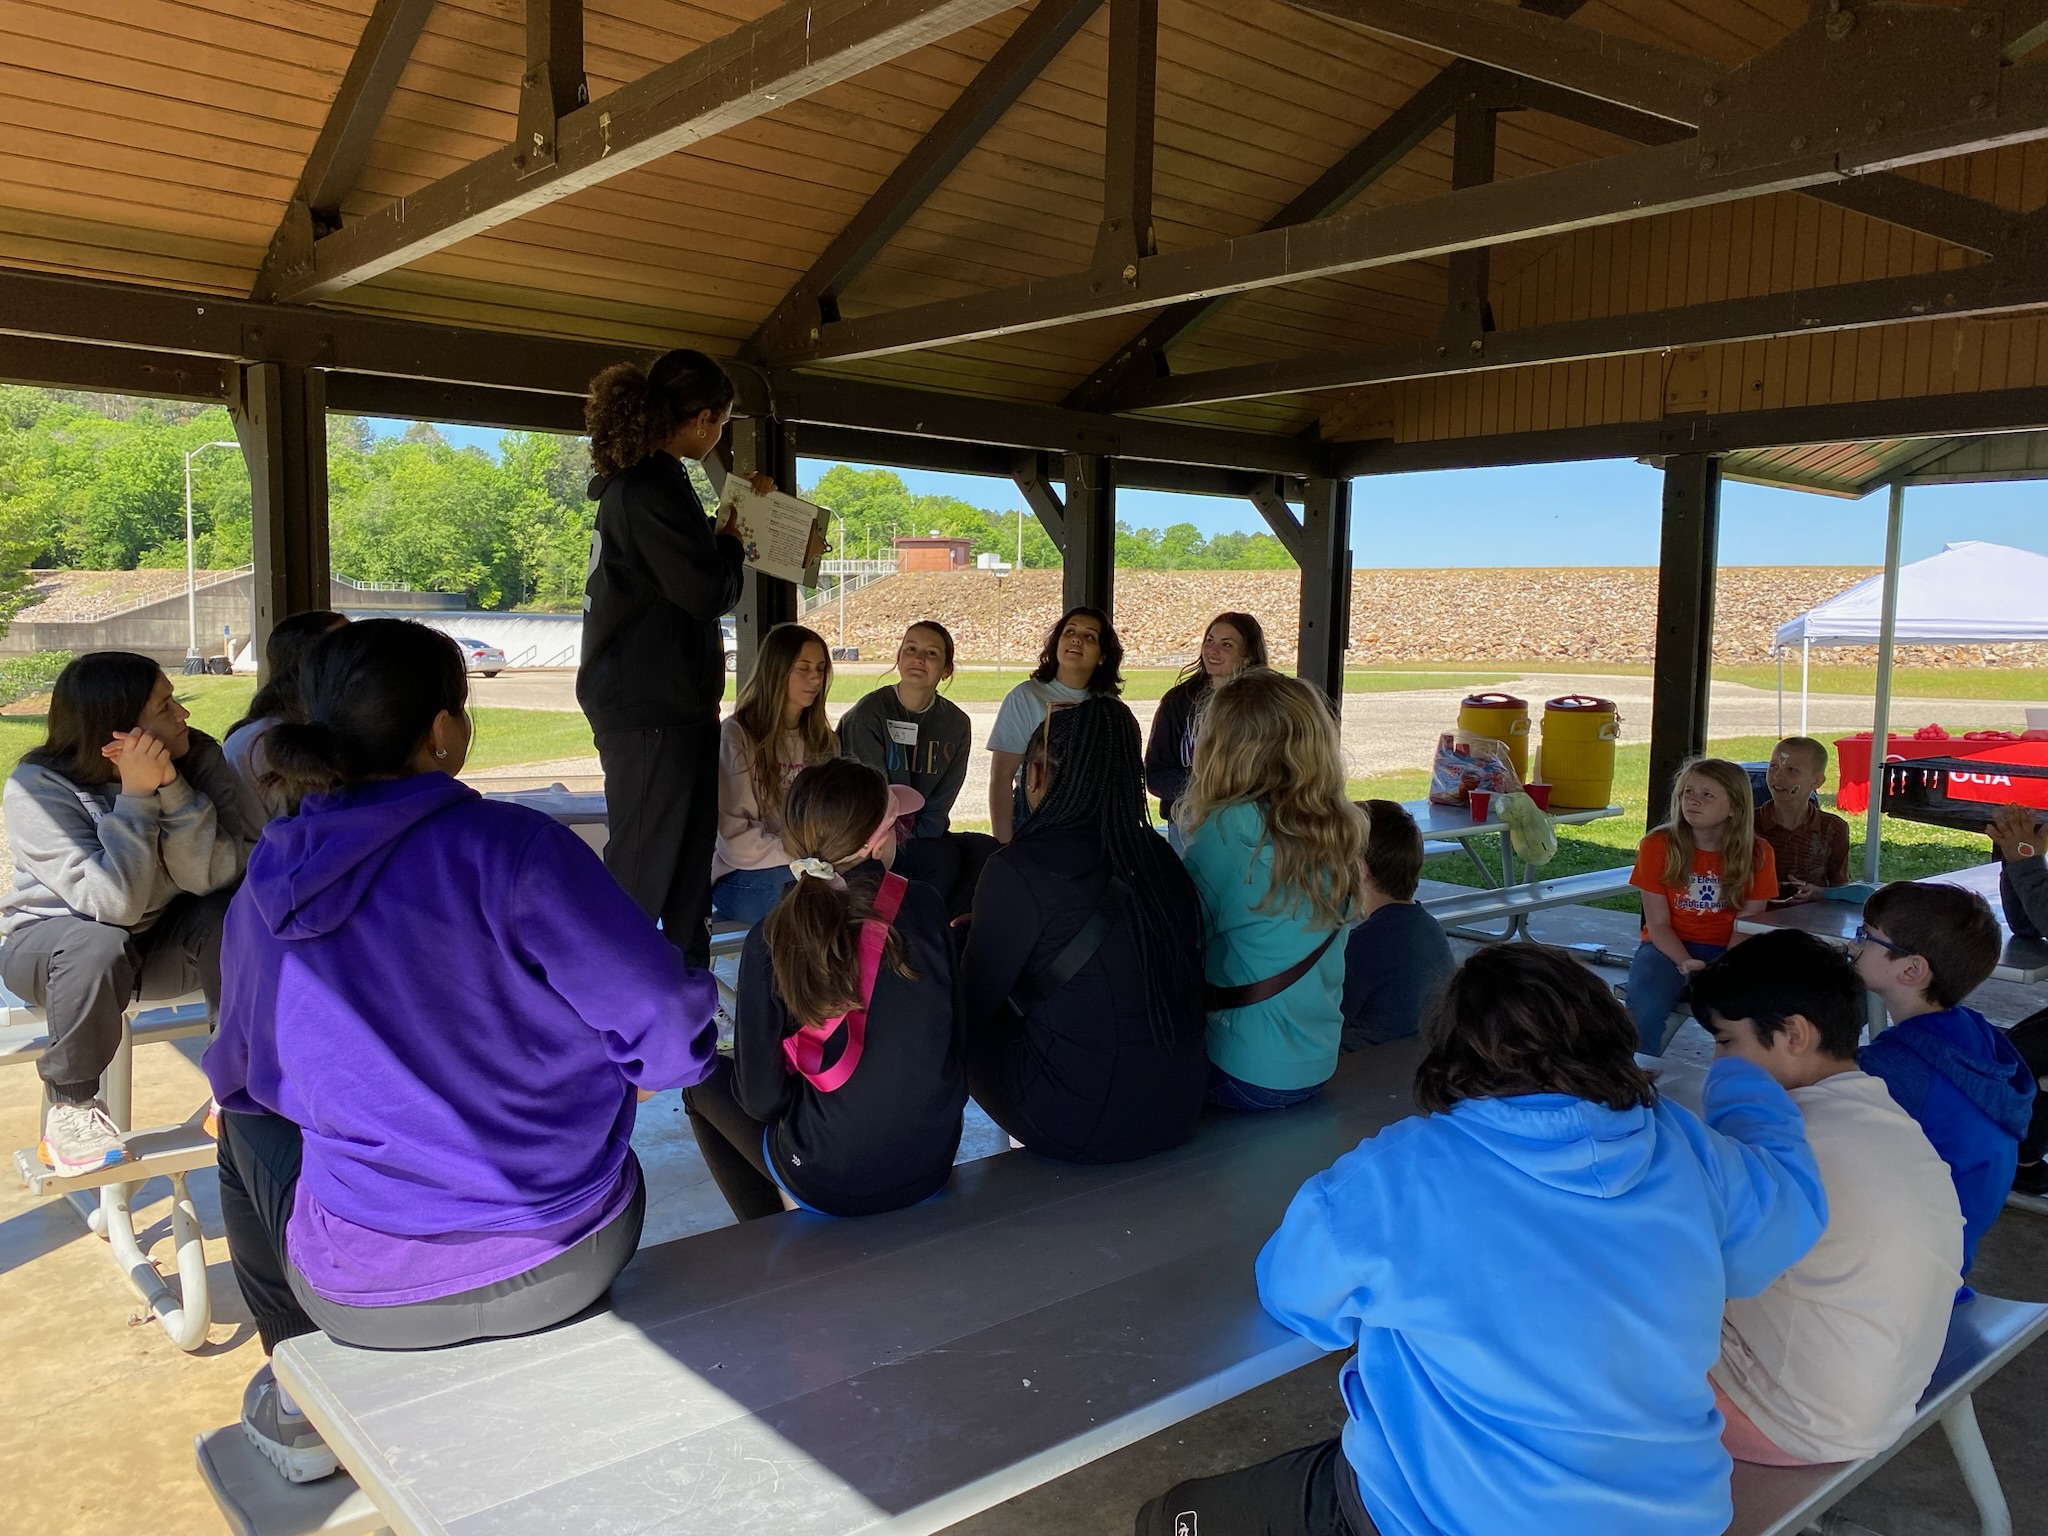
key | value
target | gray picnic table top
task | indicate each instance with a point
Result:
(2022, 960)
(809, 1377)
(1454, 823)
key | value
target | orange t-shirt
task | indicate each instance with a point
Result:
(1697, 913)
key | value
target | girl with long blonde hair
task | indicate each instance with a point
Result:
(778, 728)
(845, 1087)
(1698, 872)
(1275, 848)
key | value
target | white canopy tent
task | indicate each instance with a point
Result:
(1972, 593)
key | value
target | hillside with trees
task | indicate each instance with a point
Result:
(97, 482)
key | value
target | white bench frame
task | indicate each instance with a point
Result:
(103, 1198)
(1950, 1406)
(1519, 902)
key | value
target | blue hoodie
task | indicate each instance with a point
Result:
(1957, 1074)
(455, 1002)
(1534, 1288)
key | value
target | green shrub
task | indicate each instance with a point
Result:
(21, 676)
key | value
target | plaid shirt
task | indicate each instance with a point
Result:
(1816, 852)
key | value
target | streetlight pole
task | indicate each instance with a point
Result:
(842, 583)
(193, 661)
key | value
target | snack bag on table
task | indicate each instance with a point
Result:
(1465, 762)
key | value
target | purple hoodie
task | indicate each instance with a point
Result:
(455, 1002)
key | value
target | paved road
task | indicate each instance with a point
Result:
(1383, 732)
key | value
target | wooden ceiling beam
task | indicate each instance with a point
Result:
(814, 298)
(796, 50)
(1125, 233)
(1524, 41)
(1991, 288)
(553, 85)
(336, 164)
(1635, 185)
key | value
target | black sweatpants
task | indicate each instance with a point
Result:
(83, 975)
(661, 800)
(730, 1140)
(259, 1177)
(2030, 1038)
(1309, 1492)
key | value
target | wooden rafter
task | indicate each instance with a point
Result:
(798, 49)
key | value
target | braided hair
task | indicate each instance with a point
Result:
(1095, 756)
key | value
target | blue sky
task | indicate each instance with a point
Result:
(1602, 513)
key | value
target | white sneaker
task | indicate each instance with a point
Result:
(80, 1138)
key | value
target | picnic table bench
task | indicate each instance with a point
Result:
(103, 1198)
(1506, 896)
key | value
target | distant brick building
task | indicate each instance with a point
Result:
(934, 554)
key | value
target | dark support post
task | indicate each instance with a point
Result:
(553, 85)
(280, 412)
(1089, 556)
(1683, 667)
(1126, 232)
(761, 444)
(1325, 587)
(1467, 315)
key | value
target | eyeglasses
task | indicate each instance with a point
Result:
(1865, 936)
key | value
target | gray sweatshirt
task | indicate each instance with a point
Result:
(87, 850)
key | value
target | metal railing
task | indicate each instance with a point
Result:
(113, 607)
(372, 586)
(852, 575)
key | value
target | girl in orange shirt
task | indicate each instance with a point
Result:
(1698, 872)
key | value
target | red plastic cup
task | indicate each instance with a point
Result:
(1481, 799)
(1540, 793)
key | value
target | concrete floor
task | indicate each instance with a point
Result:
(98, 1411)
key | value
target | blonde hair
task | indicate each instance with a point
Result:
(1269, 740)
(1738, 848)
(758, 714)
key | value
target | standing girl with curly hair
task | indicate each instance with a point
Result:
(1275, 849)
(653, 666)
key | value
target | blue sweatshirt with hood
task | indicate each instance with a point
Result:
(455, 1002)
(1956, 1073)
(1534, 1286)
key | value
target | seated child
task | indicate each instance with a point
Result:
(1923, 949)
(2019, 836)
(1811, 845)
(128, 830)
(1396, 959)
(1081, 983)
(438, 1011)
(845, 1085)
(1532, 1274)
(1828, 1363)
(1697, 873)
(1275, 850)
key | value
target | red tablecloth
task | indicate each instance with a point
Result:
(1852, 764)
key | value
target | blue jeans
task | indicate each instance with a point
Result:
(1227, 1092)
(746, 895)
(1655, 988)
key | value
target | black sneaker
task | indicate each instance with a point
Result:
(2031, 1179)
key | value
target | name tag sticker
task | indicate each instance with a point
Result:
(903, 732)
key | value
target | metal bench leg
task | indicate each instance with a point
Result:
(186, 1320)
(1979, 1476)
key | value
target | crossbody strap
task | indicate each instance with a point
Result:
(1077, 952)
(804, 1051)
(1219, 998)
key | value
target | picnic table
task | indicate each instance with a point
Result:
(802, 1376)
(581, 811)
(2022, 960)
(1454, 823)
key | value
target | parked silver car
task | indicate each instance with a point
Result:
(478, 657)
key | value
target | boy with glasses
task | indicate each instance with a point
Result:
(1922, 949)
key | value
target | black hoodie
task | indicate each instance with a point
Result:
(659, 580)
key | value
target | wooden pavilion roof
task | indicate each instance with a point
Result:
(1862, 234)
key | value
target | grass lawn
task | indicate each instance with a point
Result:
(1910, 851)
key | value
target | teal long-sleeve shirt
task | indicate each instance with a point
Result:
(1289, 1041)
